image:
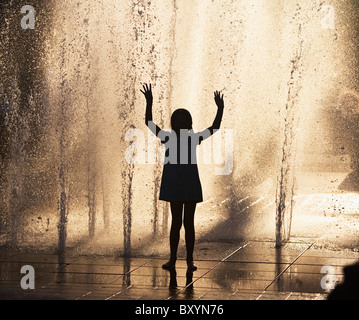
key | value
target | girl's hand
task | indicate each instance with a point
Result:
(219, 99)
(147, 91)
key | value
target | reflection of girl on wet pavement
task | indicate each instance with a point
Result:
(180, 184)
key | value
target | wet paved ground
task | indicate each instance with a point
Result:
(246, 271)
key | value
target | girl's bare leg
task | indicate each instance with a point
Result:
(176, 212)
(189, 210)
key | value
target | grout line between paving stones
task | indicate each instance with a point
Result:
(284, 270)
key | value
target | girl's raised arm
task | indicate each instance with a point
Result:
(218, 98)
(147, 91)
(220, 106)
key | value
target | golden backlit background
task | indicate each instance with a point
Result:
(70, 92)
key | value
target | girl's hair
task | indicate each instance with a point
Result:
(181, 119)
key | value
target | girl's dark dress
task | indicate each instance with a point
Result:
(180, 177)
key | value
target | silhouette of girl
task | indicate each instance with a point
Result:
(180, 184)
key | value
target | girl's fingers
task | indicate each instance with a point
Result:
(217, 94)
(146, 87)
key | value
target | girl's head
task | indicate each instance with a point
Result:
(181, 119)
